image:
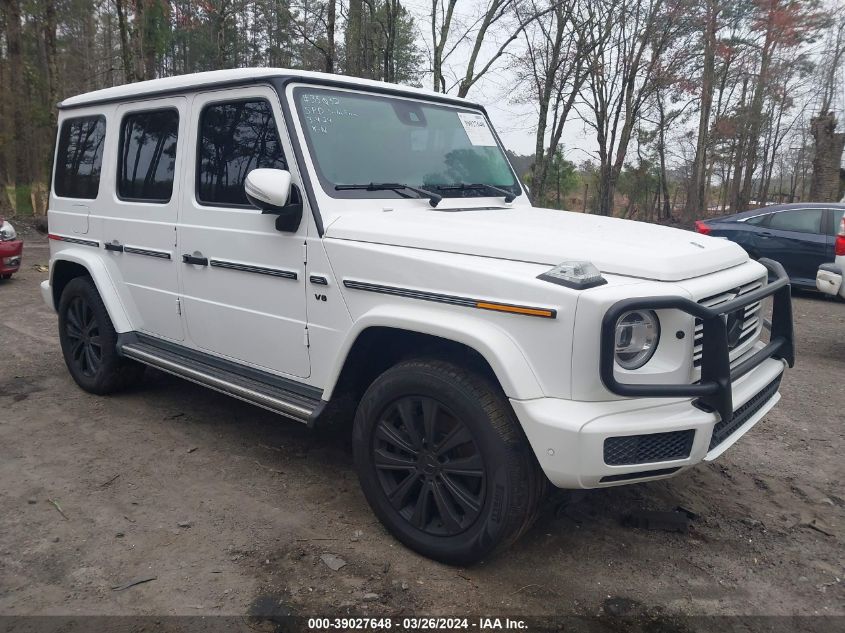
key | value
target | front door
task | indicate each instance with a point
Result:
(242, 280)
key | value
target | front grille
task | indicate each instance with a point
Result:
(724, 429)
(653, 447)
(749, 328)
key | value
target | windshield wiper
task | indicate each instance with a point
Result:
(509, 196)
(433, 198)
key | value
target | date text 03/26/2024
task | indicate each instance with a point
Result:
(417, 624)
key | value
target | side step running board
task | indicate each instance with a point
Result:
(268, 396)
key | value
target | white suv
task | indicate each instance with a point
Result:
(332, 248)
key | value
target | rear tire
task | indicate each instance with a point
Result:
(443, 461)
(89, 341)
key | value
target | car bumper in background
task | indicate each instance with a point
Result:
(47, 294)
(10, 256)
(829, 280)
(598, 444)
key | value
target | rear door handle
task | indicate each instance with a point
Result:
(197, 259)
(115, 246)
(766, 234)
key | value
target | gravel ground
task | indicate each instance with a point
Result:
(231, 509)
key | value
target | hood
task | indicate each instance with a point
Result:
(547, 236)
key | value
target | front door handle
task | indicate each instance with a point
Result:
(197, 259)
(115, 246)
(766, 234)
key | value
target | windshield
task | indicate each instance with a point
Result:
(359, 139)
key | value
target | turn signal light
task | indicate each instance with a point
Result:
(701, 227)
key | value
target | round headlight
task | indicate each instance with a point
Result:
(637, 334)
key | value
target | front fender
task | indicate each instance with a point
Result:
(493, 343)
(93, 263)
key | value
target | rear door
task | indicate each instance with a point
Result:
(139, 221)
(796, 238)
(243, 281)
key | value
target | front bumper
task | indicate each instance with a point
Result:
(660, 429)
(568, 437)
(829, 280)
(10, 256)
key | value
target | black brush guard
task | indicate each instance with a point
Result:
(713, 391)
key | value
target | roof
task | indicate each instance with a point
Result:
(198, 81)
(772, 208)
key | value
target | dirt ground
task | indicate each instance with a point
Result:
(229, 507)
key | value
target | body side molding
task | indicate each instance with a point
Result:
(481, 304)
(249, 268)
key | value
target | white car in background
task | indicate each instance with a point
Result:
(830, 276)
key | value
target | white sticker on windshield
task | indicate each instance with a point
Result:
(475, 125)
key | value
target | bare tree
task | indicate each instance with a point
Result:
(554, 70)
(622, 66)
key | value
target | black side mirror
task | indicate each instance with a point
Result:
(289, 217)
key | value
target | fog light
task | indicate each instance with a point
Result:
(12, 261)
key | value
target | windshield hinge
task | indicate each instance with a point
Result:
(305, 252)
(178, 306)
(306, 339)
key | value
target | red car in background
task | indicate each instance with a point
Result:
(10, 250)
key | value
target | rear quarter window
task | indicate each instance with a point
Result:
(79, 157)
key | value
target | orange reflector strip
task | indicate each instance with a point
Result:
(54, 237)
(549, 314)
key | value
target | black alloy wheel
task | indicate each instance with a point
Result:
(83, 333)
(429, 466)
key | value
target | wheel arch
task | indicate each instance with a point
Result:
(381, 338)
(69, 265)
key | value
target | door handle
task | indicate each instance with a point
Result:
(766, 234)
(197, 259)
(115, 246)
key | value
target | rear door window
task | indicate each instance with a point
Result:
(147, 159)
(79, 157)
(235, 137)
(798, 220)
(758, 220)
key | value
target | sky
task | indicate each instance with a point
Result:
(514, 119)
(515, 122)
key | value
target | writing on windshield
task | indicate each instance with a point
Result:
(355, 139)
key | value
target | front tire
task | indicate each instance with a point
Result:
(443, 461)
(89, 341)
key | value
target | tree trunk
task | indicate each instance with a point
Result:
(755, 119)
(354, 38)
(125, 47)
(697, 197)
(825, 183)
(666, 211)
(330, 35)
(51, 54)
(18, 174)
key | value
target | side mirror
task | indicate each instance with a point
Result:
(271, 191)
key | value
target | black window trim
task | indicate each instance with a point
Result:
(198, 150)
(81, 117)
(120, 155)
(819, 231)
